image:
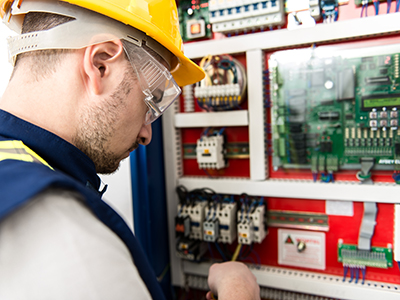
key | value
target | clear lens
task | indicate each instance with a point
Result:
(156, 82)
(161, 99)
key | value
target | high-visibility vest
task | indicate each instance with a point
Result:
(17, 150)
(24, 174)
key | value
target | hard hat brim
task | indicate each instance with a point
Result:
(186, 72)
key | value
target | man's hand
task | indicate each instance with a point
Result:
(232, 280)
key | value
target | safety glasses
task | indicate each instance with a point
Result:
(156, 82)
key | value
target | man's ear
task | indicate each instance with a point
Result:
(97, 63)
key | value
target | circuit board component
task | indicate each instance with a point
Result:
(378, 257)
(357, 260)
(194, 20)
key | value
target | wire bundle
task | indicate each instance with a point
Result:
(224, 85)
(364, 6)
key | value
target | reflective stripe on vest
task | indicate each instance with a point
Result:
(17, 150)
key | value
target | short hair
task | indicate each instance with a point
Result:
(45, 60)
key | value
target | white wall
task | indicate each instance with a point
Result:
(119, 192)
(5, 66)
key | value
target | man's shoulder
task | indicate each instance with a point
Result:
(20, 181)
(67, 252)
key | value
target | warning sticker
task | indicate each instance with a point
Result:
(300, 248)
(289, 240)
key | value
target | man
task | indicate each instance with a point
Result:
(89, 79)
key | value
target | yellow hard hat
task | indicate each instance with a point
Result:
(156, 18)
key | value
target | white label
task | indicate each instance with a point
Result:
(339, 208)
(297, 5)
(312, 257)
(385, 161)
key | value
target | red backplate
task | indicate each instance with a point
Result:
(340, 227)
(235, 168)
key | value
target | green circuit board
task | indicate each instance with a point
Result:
(194, 19)
(377, 257)
(331, 110)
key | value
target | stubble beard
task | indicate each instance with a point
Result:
(97, 125)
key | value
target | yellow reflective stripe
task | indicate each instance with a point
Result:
(16, 156)
(17, 150)
(11, 144)
(36, 156)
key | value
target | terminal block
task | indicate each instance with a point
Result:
(211, 230)
(196, 214)
(221, 90)
(231, 16)
(210, 152)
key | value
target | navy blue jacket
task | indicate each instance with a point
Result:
(20, 181)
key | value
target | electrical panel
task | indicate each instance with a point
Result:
(215, 151)
(286, 155)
